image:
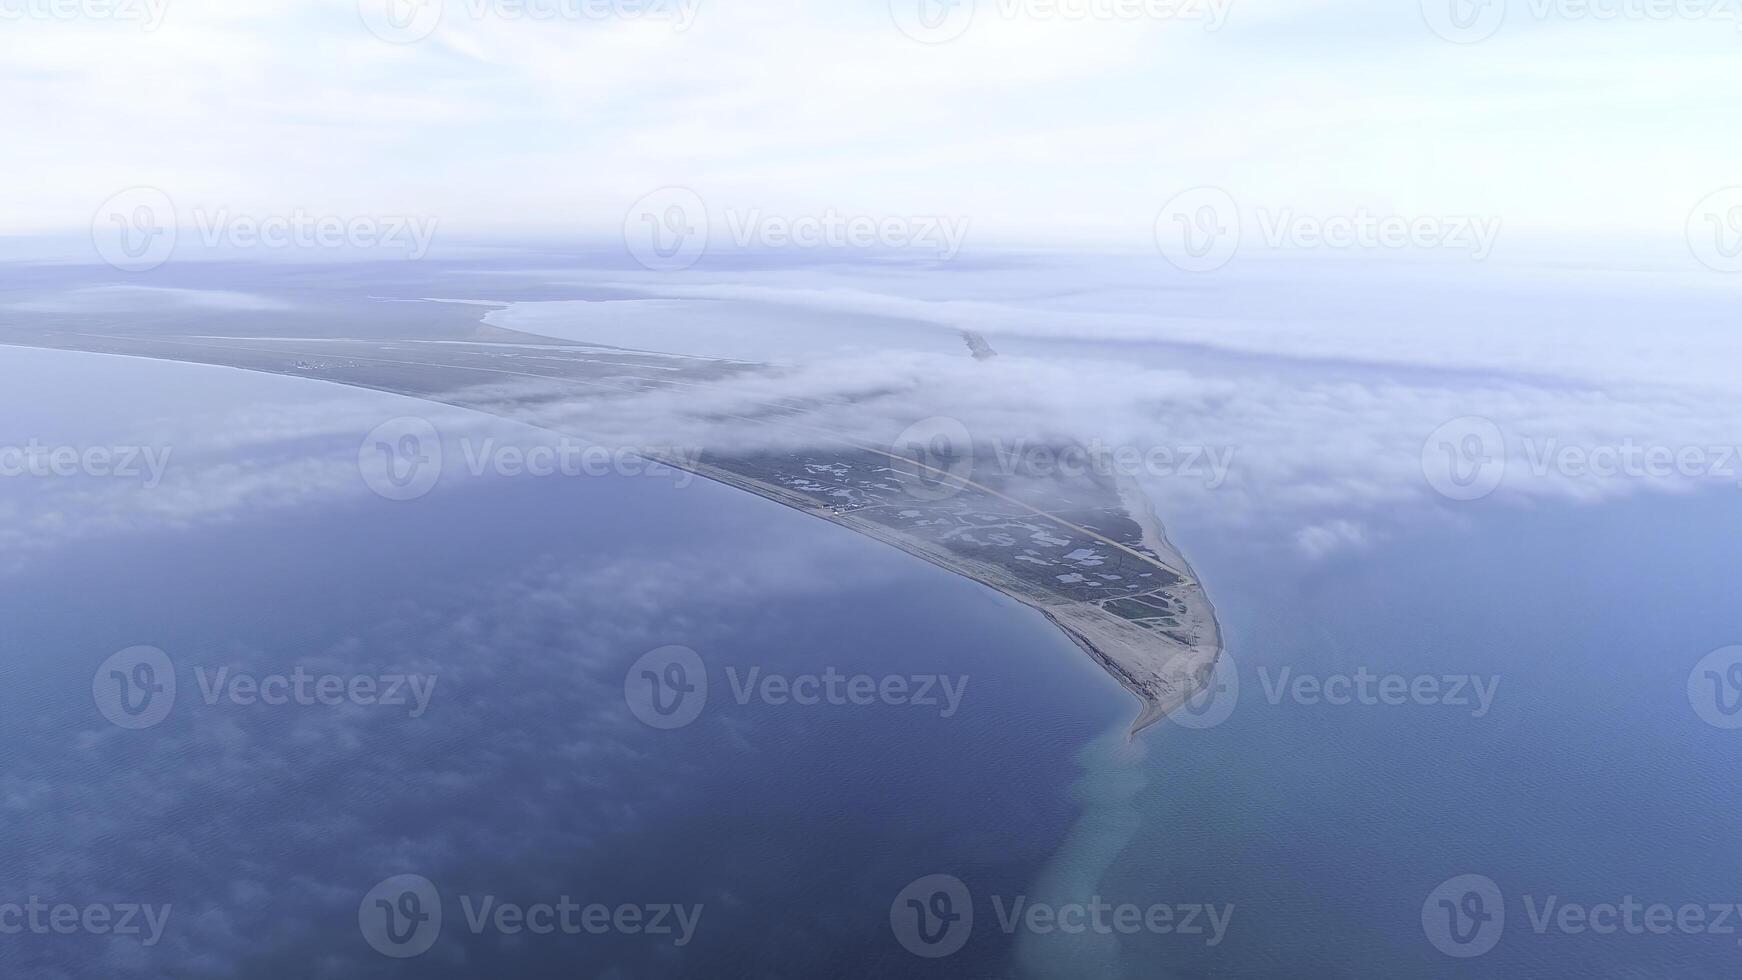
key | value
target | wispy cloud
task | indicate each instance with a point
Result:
(130, 298)
(1038, 128)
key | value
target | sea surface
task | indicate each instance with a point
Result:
(528, 777)
(1592, 777)
(1325, 835)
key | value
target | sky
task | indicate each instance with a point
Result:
(1535, 129)
(1040, 121)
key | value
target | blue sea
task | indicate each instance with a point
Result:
(1321, 831)
(528, 778)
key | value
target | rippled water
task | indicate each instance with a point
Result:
(1321, 830)
(527, 778)
(1591, 778)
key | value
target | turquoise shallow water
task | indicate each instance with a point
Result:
(1590, 779)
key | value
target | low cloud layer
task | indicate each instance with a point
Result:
(1349, 425)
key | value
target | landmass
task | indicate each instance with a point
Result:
(1085, 550)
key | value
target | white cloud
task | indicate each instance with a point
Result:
(1320, 390)
(1036, 129)
(1322, 540)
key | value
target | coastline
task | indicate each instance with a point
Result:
(1161, 671)
(1207, 648)
(1162, 661)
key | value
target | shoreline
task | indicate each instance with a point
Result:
(1161, 663)
(1209, 647)
(1159, 687)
